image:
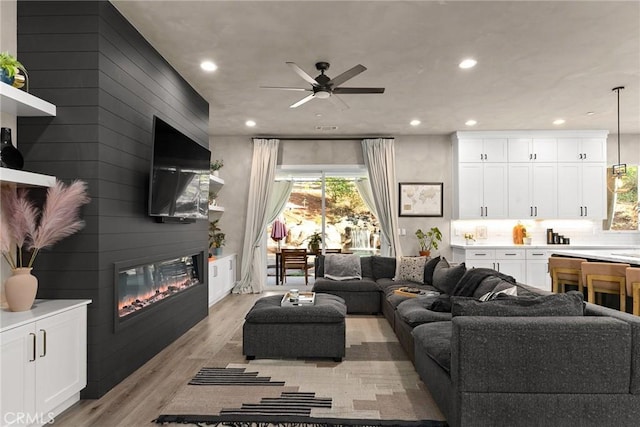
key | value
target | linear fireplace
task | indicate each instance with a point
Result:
(143, 284)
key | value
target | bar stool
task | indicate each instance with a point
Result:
(633, 287)
(565, 271)
(605, 278)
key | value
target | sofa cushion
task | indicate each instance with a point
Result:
(342, 267)
(429, 267)
(414, 311)
(327, 285)
(383, 266)
(445, 277)
(395, 299)
(412, 268)
(434, 339)
(569, 304)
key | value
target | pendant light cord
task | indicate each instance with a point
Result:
(618, 89)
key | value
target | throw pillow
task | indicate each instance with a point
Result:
(445, 277)
(429, 267)
(342, 267)
(412, 268)
(383, 267)
(569, 304)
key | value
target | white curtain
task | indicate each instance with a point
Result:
(364, 189)
(254, 259)
(279, 198)
(380, 160)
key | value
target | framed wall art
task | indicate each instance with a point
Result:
(421, 199)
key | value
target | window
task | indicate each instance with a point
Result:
(622, 201)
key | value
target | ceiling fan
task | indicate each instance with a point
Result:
(323, 87)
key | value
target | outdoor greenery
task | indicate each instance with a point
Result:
(344, 197)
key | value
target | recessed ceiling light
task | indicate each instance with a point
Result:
(558, 122)
(590, 113)
(414, 122)
(468, 63)
(471, 122)
(250, 123)
(208, 66)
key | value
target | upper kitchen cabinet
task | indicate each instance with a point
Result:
(472, 150)
(532, 150)
(583, 149)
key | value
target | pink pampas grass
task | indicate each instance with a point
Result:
(60, 216)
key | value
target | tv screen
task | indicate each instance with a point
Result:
(179, 182)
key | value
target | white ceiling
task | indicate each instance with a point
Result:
(537, 61)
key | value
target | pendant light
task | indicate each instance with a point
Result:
(619, 169)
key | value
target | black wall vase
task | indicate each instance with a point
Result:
(10, 157)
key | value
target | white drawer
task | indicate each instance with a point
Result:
(480, 254)
(509, 253)
(537, 254)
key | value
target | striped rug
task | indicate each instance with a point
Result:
(374, 385)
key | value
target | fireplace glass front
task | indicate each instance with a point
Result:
(140, 287)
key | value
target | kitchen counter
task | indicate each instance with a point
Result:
(629, 256)
(544, 246)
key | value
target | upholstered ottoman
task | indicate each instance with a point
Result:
(295, 331)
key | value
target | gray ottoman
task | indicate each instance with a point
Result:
(298, 331)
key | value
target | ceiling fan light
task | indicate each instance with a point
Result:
(415, 122)
(322, 94)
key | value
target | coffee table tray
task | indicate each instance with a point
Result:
(304, 298)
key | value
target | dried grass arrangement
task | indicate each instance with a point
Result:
(31, 229)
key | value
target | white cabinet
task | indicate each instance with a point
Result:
(532, 150)
(582, 149)
(507, 261)
(481, 191)
(538, 269)
(472, 150)
(582, 191)
(532, 190)
(222, 277)
(44, 361)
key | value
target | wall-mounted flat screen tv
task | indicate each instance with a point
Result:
(179, 181)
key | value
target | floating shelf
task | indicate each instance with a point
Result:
(26, 179)
(216, 180)
(20, 103)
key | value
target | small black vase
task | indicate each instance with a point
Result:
(10, 157)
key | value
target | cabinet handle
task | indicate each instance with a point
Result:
(215, 271)
(486, 211)
(510, 254)
(580, 157)
(498, 269)
(535, 157)
(581, 211)
(230, 265)
(479, 254)
(536, 211)
(586, 212)
(44, 343)
(585, 156)
(530, 156)
(481, 214)
(530, 210)
(33, 341)
(481, 156)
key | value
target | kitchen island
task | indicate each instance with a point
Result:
(628, 256)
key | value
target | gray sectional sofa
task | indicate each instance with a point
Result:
(536, 359)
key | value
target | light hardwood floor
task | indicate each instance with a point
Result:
(138, 399)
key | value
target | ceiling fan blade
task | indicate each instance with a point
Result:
(302, 73)
(302, 101)
(349, 74)
(338, 102)
(299, 89)
(343, 90)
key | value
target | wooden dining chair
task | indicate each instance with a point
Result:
(565, 271)
(294, 259)
(633, 287)
(605, 278)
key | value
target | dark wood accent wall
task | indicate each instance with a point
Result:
(107, 82)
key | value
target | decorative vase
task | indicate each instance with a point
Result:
(4, 77)
(10, 157)
(216, 173)
(20, 289)
(425, 253)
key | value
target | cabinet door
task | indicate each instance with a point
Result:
(515, 268)
(495, 190)
(569, 150)
(495, 150)
(538, 269)
(61, 369)
(18, 372)
(470, 150)
(519, 150)
(569, 190)
(593, 149)
(544, 149)
(214, 281)
(594, 190)
(470, 190)
(544, 189)
(520, 203)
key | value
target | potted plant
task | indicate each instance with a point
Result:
(215, 166)
(10, 69)
(428, 240)
(216, 239)
(314, 242)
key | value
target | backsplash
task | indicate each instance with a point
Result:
(580, 232)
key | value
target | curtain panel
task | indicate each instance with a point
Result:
(379, 158)
(254, 260)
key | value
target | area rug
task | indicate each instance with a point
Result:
(375, 385)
